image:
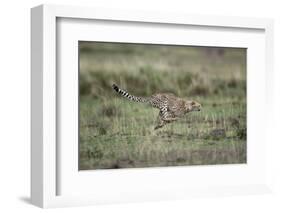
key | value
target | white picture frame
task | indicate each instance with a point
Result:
(45, 157)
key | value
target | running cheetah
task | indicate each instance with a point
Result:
(171, 107)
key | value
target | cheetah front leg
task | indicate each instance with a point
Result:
(160, 124)
(163, 110)
(162, 121)
(164, 117)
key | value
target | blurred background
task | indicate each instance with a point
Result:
(146, 69)
(117, 133)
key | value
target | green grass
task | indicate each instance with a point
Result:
(117, 133)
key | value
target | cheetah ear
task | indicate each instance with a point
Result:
(192, 102)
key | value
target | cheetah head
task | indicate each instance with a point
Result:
(191, 106)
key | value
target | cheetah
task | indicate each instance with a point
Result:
(171, 108)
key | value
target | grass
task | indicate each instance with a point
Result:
(116, 133)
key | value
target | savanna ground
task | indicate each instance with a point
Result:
(117, 133)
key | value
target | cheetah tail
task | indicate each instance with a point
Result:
(127, 95)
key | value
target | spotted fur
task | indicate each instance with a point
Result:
(171, 108)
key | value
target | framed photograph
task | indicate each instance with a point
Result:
(131, 106)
